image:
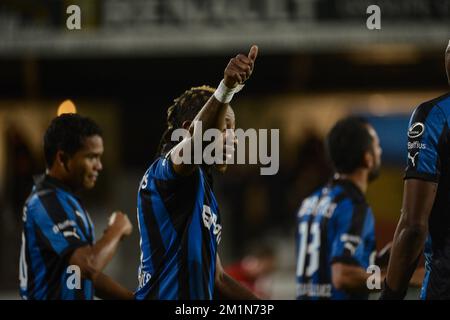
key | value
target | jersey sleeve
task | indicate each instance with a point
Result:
(426, 140)
(163, 169)
(350, 225)
(56, 229)
(368, 252)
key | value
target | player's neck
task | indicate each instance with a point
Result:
(359, 178)
(55, 174)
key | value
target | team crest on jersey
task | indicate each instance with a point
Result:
(416, 130)
(210, 219)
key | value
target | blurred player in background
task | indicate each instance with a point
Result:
(58, 236)
(425, 214)
(336, 231)
(255, 270)
(179, 219)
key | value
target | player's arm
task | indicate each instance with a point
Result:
(107, 289)
(410, 236)
(228, 288)
(212, 115)
(353, 278)
(349, 278)
(93, 259)
(353, 242)
(427, 124)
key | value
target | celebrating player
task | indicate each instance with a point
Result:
(425, 216)
(179, 219)
(336, 235)
(58, 235)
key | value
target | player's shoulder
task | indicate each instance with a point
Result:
(351, 207)
(438, 105)
(35, 202)
(160, 165)
(442, 99)
(162, 169)
(348, 193)
(348, 202)
(318, 193)
(331, 192)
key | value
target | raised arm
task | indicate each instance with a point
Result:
(212, 115)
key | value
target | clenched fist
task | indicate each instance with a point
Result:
(119, 222)
(240, 68)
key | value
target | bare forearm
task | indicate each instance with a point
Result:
(228, 288)
(104, 249)
(106, 288)
(350, 278)
(357, 282)
(407, 246)
(212, 115)
(409, 238)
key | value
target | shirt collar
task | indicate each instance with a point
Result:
(45, 181)
(351, 187)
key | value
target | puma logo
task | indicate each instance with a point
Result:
(413, 158)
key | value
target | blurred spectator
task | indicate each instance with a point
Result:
(21, 166)
(255, 270)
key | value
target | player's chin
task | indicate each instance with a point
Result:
(89, 183)
(374, 174)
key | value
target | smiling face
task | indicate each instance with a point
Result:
(376, 152)
(229, 123)
(84, 166)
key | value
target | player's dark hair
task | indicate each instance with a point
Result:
(347, 142)
(184, 108)
(67, 133)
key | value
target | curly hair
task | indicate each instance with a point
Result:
(184, 108)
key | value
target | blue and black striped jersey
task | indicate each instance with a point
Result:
(429, 159)
(335, 224)
(54, 225)
(180, 229)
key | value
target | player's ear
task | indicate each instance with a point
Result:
(369, 161)
(62, 159)
(186, 124)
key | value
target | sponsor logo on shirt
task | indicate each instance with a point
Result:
(144, 277)
(416, 145)
(416, 130)
(210, 219)
(63, 225)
